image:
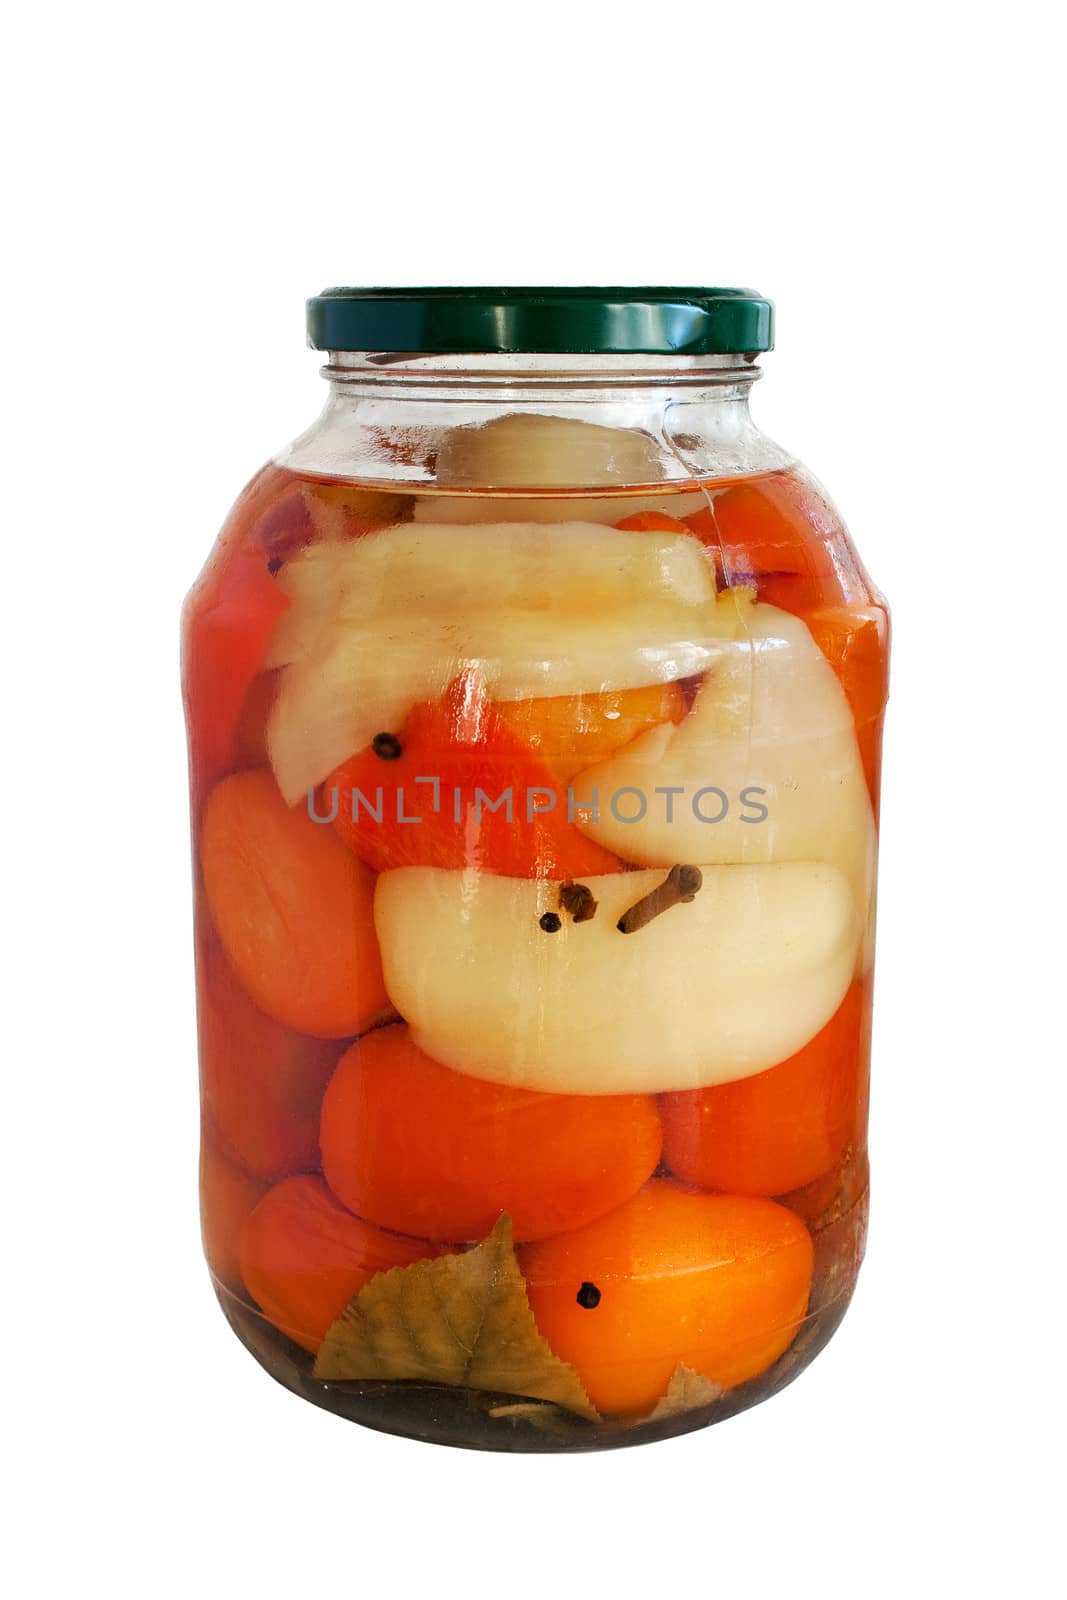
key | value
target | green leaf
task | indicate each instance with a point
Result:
(461, 1320)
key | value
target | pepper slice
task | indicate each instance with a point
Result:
(775, 530)
(482, 797)
(778, 533)
(572, 732)
(654, 522)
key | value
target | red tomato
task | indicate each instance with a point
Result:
(227, 1197)
(261, 1083)
(303, 1257)
(292, 908)
(230, 622)
(779, 1129)
(412, 1146)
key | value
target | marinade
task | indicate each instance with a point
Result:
(535, 842)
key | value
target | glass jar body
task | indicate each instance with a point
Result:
(534, 723)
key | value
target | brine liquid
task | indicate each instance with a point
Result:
(534, 843)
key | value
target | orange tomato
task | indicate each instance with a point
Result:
(418, 1148)
(780, 1129)
(573, 732)
(261, 1083)
(462, 741)
(719, 1282)
(227, 1197)
(303, 1257)
(292, 907)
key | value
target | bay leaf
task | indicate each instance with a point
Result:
(687, 1391)
(460, 1319)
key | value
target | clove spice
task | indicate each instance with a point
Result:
(576, 899)
(679, 887)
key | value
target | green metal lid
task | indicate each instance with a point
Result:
(580, 321)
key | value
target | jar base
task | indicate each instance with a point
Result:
(475, 1420)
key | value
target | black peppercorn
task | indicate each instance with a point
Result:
(386, 746)
(550, 922)
(588, 1297)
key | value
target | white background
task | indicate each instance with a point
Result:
(180, 178)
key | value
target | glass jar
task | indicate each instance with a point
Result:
(534, 701)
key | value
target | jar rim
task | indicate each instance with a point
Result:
(577, 320)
